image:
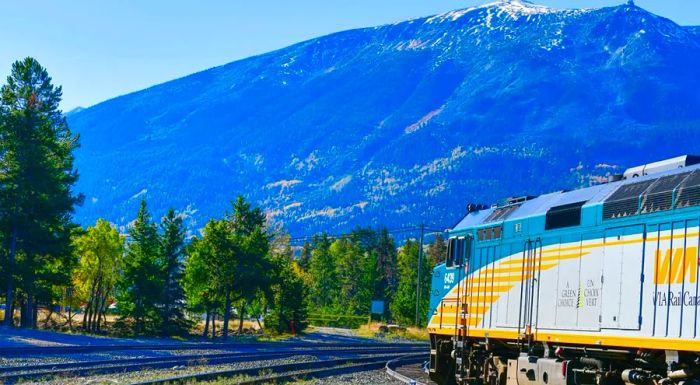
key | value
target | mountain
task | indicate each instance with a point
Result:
(401, 123)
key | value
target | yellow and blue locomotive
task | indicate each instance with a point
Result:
(591, 286)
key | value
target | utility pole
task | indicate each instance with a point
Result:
(420, 263)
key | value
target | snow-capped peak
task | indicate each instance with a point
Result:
(521, 7)
(513, 8)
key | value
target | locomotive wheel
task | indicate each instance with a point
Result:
(495, 371)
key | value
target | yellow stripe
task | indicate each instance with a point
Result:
(517, 269)
(500, 278)
(621, 242)
(471, 319)
(572, 248)
(481, 298)
(472, 309)
(676, 236)
(546, 259)
(489, 288)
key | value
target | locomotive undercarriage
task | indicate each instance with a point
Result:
(502, 362)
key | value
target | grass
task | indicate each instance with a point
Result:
(409, 333)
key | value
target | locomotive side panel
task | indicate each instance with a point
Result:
(670, 297)
(621, 279)
(566, 298)
(548, 283)
(689, 287)
(590, 268)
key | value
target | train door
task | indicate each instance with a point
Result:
(622, 277)
(689, 277)
(508, 305)
(588, 292)
(546, 319)
(529, 290)
(567, 292)
(483, 296)
(677, 274)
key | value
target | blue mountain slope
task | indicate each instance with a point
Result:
(401, 123)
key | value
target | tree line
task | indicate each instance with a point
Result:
(156, 278)
(153, 275)
(346, 273)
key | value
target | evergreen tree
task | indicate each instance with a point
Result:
(172, 253)
(387, 281)
(305, 257)
(36, 200)
(367, 282)
(403, 306)
(253, 261)
(202, 275)
(223, 265)
(289, 301)
(348, 259)
(437, 251)
(322, 272)
(141, 283)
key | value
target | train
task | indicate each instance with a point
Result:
(597, 285)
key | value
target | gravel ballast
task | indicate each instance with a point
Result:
(147, 374)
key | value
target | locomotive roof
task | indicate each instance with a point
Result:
(541, 204)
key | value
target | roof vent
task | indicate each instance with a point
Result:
(615, 178)
(476, 207)
(660, 166)
(514, 200)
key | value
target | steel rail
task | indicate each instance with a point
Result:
(392, 366)
(183, 357)
(48, 350)
(284, 371)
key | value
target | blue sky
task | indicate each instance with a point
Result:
(101, 49)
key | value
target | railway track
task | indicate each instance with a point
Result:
(409, 370)
(13, 374)
(287, 372)
(56, 350)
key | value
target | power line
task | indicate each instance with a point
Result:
(400, 230)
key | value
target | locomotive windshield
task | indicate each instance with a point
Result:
(458, 251)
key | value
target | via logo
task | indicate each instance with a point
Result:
(677, 265)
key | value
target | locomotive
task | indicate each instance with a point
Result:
(591, 286)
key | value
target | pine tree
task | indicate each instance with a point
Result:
(36, 159)
(201, 277)
(322, 270)
(403, 306)
(248, 232)
(290, 293)
(387, 282)
(223, 265)
(141, 283)
(305, 257)
(172, 252)
(348, 259)
(437, 250)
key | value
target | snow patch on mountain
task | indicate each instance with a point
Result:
(423, 121)
(139, 194)
(339, 185)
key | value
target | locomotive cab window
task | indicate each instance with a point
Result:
(458, 251)
(449, 258)
(568, 215)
